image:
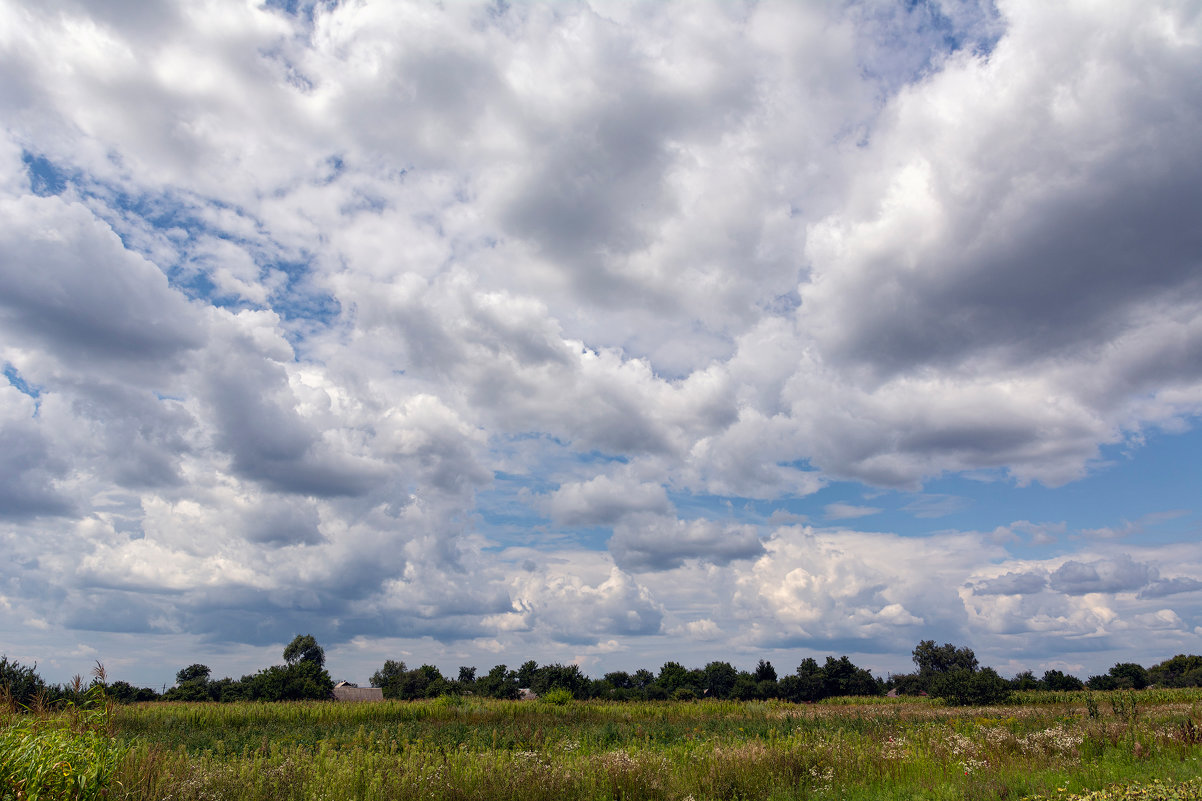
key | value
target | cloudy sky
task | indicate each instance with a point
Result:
(599, 332)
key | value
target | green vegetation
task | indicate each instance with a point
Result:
(711, 733)
(1042, 745)
(70, 755)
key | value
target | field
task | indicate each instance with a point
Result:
(1048, 746)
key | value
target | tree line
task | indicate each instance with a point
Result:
(944, 671)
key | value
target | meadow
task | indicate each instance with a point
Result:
(1044, 745)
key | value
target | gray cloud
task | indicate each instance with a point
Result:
(1120, 574)
(1012, 584)
(67, 283)
(605, 500)
(1171, 586)
(648, 542)
(29, 473)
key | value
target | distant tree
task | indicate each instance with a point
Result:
(841, 677)
(499, 683)
(560, 677)
(1103, 682)
(620, 680)
(964, 687)
(1180, 671)
(125, 693)
(719, 679)
(746, 688)
(389, 677)
(526, 673)
(906, 684)
(195, 672)
(467, 677)
(764, 671)
(933, 659)
(805, 685)
(23, 683)
(1056, 680)
(643, 679)
(1025, 680)
(1129, 675)
(672, 676)
(304, 648)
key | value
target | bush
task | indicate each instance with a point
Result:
(557, 697)
(19, 683)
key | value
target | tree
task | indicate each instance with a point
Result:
(1025, 681)
(1180, 671)
(560, 677)
(935, 659)
(746, 688)
(804, 686)
(23, 683)
(672, 676)
(965, 687)
(842, 677)
(193, 673)
(125, 693)
(719, 679)
(1129, 675)
(764, 671)
(501, 682)
(304, 648)
(619, 680)
(526, 673)
(1056, 680)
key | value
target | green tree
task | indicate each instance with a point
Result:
(719, 679)
(934, 659)
(194, 673)
(526, 673)
(389, 677)
(746, 688)
(560, 677)
(1180, 671)
(1056, 680)
(841, 677)
(1129, 675)
(764, 671)
(1025, 680)
(23, 683)
(304, 648)
(500, 682)
(805, 685)
(672, 676)
(965, 687)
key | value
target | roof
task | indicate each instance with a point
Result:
(358, 694)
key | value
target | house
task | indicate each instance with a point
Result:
(526, 694)
(345, 691)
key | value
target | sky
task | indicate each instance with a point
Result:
(604, 333)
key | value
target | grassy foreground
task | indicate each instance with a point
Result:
(1050, 746)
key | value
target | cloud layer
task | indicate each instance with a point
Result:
(529, 329)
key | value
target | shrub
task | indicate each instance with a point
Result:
(557, 697)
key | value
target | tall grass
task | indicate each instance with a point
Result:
(1048, 746)
(68, 755)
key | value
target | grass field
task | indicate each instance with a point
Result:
(1051, 746)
